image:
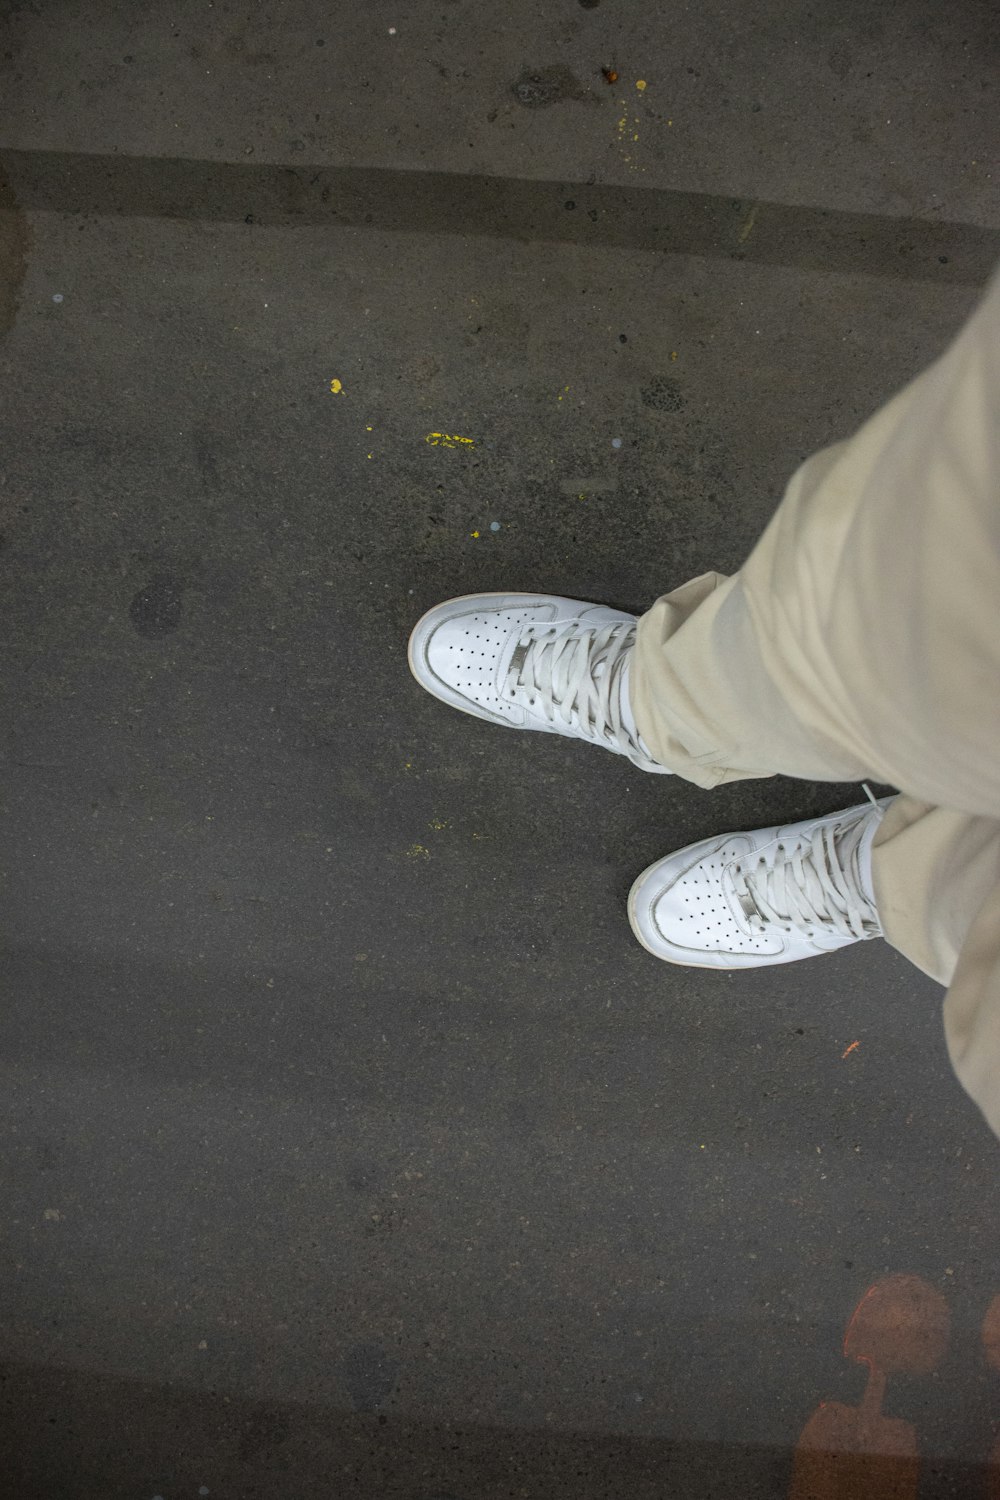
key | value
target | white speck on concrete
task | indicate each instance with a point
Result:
(57, 296)
(494, 525)
(616, 442)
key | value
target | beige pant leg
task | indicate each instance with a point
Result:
(862, 639)
(937, 889)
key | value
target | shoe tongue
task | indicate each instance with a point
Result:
(766, 883)
(850, 851)
(517, 644)
(530, 642)
(854, 848)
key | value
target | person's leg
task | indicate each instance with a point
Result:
(856, 641)
(936, 878)
(860, 637)
(860, 640)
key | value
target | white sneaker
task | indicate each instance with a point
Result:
(534, 661)
(749, 899)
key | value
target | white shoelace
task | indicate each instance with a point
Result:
(815, 886)
(575, 674)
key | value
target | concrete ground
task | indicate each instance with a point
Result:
(352, 1147)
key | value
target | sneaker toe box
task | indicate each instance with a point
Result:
(457, 652)
(684, 909)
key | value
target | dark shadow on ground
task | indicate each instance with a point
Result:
(82, 1436)
(664, 220)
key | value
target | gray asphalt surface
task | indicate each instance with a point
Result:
(352, 1147)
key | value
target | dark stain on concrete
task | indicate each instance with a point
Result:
(15, 238)
(263, 1430)
(662, 394)
(369, 1375)
(205, 458)
(156, 609)
(538, 88)
(505, 328)
(840, 61)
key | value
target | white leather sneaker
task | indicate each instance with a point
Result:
(770, 897)
(534, 661)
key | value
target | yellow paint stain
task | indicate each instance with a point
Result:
(670, 122)
(628, 133)
(438, 825)
(474, 534)
(369, 429)
(449, 440)
(418, 851)
(336, 389)
(371, 455)
(640, 84)
(673, 354)
(581, 497)
(745, 232)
